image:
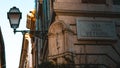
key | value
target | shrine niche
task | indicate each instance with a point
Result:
(60, 40)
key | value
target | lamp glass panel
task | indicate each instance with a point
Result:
(14, 20)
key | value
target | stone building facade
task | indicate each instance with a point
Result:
(27, 55)
(2, 51)
(85, 32)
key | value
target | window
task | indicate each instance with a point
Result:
(116, 2)
(94, 1)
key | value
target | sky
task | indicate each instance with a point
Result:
(13, 42)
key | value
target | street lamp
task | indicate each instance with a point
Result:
(14, 16)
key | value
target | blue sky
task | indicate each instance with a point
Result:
(13, 42)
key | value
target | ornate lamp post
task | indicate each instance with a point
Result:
(14, 16)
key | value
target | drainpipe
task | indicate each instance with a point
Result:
(37, 28)
(37, 15)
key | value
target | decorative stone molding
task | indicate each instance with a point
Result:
(60, 23)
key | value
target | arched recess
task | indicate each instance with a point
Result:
(60, 38)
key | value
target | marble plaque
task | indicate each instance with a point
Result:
(96, 29)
